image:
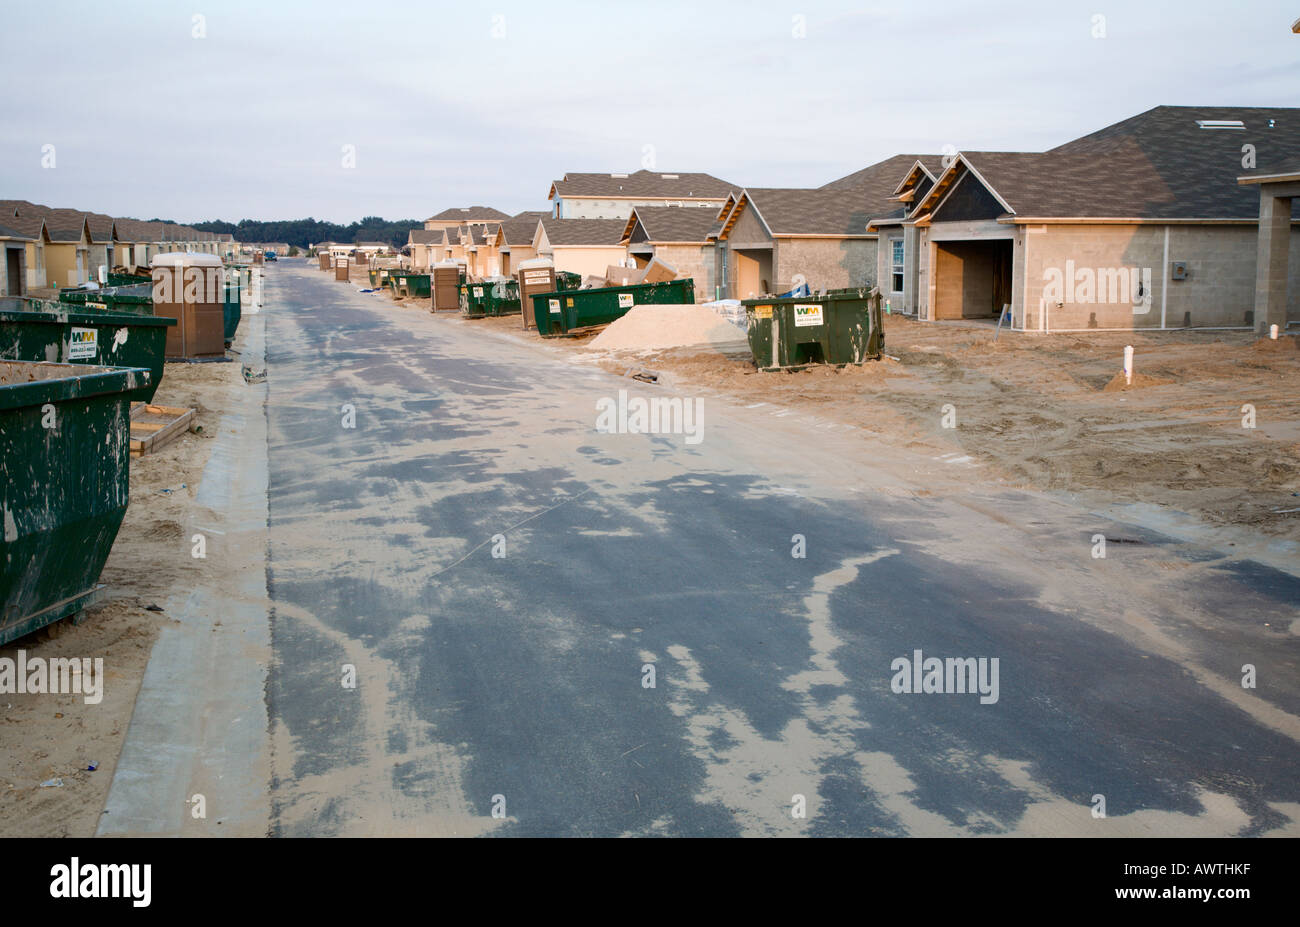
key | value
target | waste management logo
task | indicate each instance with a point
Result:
(806, 314)
(84, 344)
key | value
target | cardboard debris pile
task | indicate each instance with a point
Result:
(615, 275)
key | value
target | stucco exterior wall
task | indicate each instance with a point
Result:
(510, 260)
(595, 208)
(37, 276)
(61, 265)
(587, 261)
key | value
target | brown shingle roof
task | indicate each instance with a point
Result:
(792, 211)
(1197, 168)
(578, 232)
(425, 237)
(468, 214)
(63, 225)
(643, 185)
(24, 228)
(676, 223)
(520, 229)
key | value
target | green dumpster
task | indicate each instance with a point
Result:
(568, 312)
(233, 308)
(65, 442)
(136, 299)
(490, 298)
(567, 280)
(127, 279)
(104, 339)
(835, 327)
(415, 285)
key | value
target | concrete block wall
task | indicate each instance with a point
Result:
(1219, 290)
(693, 261)
(826, 263)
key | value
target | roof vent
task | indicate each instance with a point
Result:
(1220, 123)
(669, 176)
(619, 176)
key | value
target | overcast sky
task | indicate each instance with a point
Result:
(246, 112)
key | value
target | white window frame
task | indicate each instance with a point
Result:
(896, 268)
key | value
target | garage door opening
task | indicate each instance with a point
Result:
(972, 279)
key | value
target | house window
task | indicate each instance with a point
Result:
(896, 262)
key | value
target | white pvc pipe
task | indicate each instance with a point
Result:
(1128, 364)
(1272, 332)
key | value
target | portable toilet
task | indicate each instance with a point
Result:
(190, 288)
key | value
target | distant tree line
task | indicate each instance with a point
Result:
(306, 232)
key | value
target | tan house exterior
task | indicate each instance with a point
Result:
(422, 243)
(482, 249)
(1142, 225)
(103, 243)
(680, 237)
(459, 216)
(452, 247)
(581, 246)
(614, 196)
(885, 190)
(770, 235)
(16, 235)
(515, 243)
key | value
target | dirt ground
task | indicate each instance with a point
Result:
(1054, 413)
(58, 737)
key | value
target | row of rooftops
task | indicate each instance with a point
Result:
(25, 221)
(1170, 163)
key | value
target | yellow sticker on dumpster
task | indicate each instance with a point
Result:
(568, 302)
(762, 312)
(807, 314)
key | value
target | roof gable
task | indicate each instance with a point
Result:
(787, 211)
(678, 224)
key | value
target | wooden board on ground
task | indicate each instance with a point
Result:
(153, 426)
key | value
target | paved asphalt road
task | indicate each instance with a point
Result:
(501, 685)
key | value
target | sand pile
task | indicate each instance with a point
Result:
(653, 328)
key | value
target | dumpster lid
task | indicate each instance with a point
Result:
(60, 316)
(33, 383)
(185, 259)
